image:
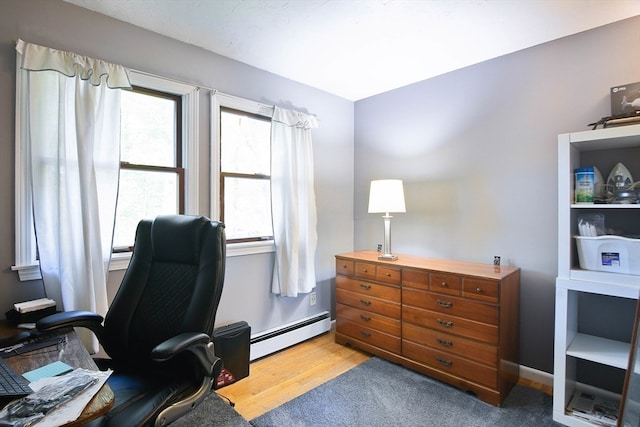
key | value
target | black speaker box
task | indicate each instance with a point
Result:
(232, 345)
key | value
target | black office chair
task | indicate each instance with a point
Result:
(158, 330)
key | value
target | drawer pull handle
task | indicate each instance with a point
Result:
(364, 270)
(365, 318)
(365, 286)
(444, 361)
(479, 290)
(444, 284)
(444, 342)
(445, 304)
(446, 324)
(365, 334)
(365, 302)
(388, 274)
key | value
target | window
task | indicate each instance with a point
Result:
(241, 159)
(245, 194)
(183, 99)
(151, 172)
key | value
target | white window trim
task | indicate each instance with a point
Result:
(219, 100)
(26, 263)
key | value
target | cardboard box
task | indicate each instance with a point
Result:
(625, 99)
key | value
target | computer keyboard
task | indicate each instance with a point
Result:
(12, 384)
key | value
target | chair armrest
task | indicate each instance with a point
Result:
(70, 319)
(198, 343)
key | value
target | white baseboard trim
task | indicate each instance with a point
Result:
(536, 376)
(276, 339)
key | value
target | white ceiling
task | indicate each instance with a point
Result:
(358, 48)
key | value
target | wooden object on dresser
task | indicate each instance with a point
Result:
(455, 321)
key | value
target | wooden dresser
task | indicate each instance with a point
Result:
(455, 321)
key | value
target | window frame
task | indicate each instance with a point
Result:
(26, 263)
(221, 101)
(178, 167)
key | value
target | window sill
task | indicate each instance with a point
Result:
(250, 248)
(32, 271)
(121, 261)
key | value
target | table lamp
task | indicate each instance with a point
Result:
(386, 196)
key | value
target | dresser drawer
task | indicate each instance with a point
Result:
(445, 283)
(450, 305)
(390, 293)
(451, 364)
(388, 275)
(483, 353)
(481, 290)
(368, 303)
(369, 320)
(365, 270)
(370, 336)
(345, 267)
(418, 279)
(450, 324)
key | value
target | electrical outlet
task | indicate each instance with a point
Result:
(312, 298)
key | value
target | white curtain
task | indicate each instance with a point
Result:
(293, 202)
(71, 135)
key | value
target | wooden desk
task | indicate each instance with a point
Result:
(70, 351)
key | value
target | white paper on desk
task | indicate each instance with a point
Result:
(70, 411)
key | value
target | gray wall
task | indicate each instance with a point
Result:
(247, 294)
(476, 149)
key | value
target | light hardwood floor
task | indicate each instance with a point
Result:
(280, 377)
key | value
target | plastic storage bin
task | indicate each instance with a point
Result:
(613, 254)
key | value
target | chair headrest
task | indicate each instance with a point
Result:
(177, 238)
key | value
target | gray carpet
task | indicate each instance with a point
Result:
(379, 393)
(213, 411)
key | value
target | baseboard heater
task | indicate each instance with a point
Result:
(270, 341)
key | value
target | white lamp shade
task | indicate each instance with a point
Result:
(386, 195)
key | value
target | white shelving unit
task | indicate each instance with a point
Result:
(601, 148)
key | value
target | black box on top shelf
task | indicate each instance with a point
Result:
(625, 99)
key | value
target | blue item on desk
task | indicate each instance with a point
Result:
(51, 370)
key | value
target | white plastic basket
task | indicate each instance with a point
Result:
(614, 254)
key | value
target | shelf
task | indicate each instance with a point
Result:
(605, 206)
(572, 421)
(601, 147)
(611, 138)
(600, 350)
(597, 282)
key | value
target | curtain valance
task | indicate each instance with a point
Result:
(40, 58)
(293, 118)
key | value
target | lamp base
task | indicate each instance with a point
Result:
(387, 257)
